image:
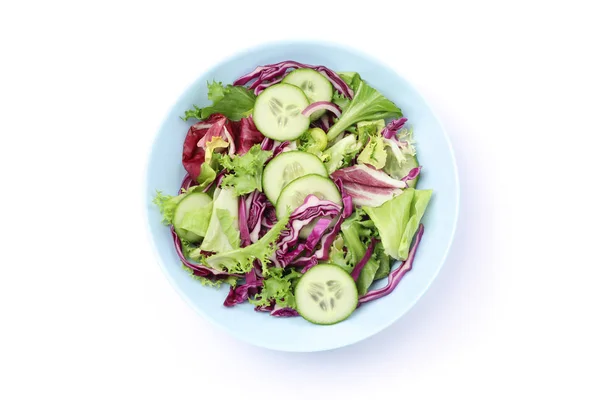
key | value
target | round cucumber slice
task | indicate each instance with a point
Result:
(278, 112)
(287, 167)
(191, 202)
(313, 84)
(326, 295)
(293, 195)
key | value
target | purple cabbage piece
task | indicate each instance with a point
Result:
(306, 262)
(328, 237)
(269, 217)
(397, 274)
(316, 234)
(256, 203)
(363, 261)
(393, 127)
(279, 311)
(412, 174)
(197, 269)
(267, 73)
(243, 222)
(280, 147)
(311, 209)
(267, 144)
(259, 88)
(241, 293)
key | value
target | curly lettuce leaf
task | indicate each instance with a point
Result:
(167, 204)
(240, 261)
(245, 171)
(367, 105)
(279, 288)
(313, 141)
(234, 102)
(397, 220)
(341, 154)
(222, 233)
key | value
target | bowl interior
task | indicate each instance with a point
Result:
(439, 173)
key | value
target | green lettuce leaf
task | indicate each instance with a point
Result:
(358, 234)
(374, 153)
(341, 154)
(278, 287)
(384, 262)
(197, 221)
(234, 102)
(222, 233)
(353, 80)
(397, 220)
(166, 205)
(245, 171)
(367, 105)
(239, 261)
(338, 256)
(313, 141)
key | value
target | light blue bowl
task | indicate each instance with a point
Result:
(165, 172)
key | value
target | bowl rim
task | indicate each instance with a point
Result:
(257, 48)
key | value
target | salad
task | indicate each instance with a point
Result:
(300, 192)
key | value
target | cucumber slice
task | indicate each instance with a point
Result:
(313, 84)
(287, 167)
(293, 195)
(326, 295)
(278, 112)
(191, 202)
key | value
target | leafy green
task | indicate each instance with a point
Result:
(397, 220)
(358, 234)
(341, 154)
(240, 260)
(234, 102)
(216, 91)
(366, 129)
(246, 170)
(196, 221)
(230, 280)
(352, 79)
(384, 262)
(223, 232)
(278, 287)
(367, 105)
(313, 141)
(167, 204)
(338, 256)
(374, 153)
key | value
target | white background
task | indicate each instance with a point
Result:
(85, 311)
